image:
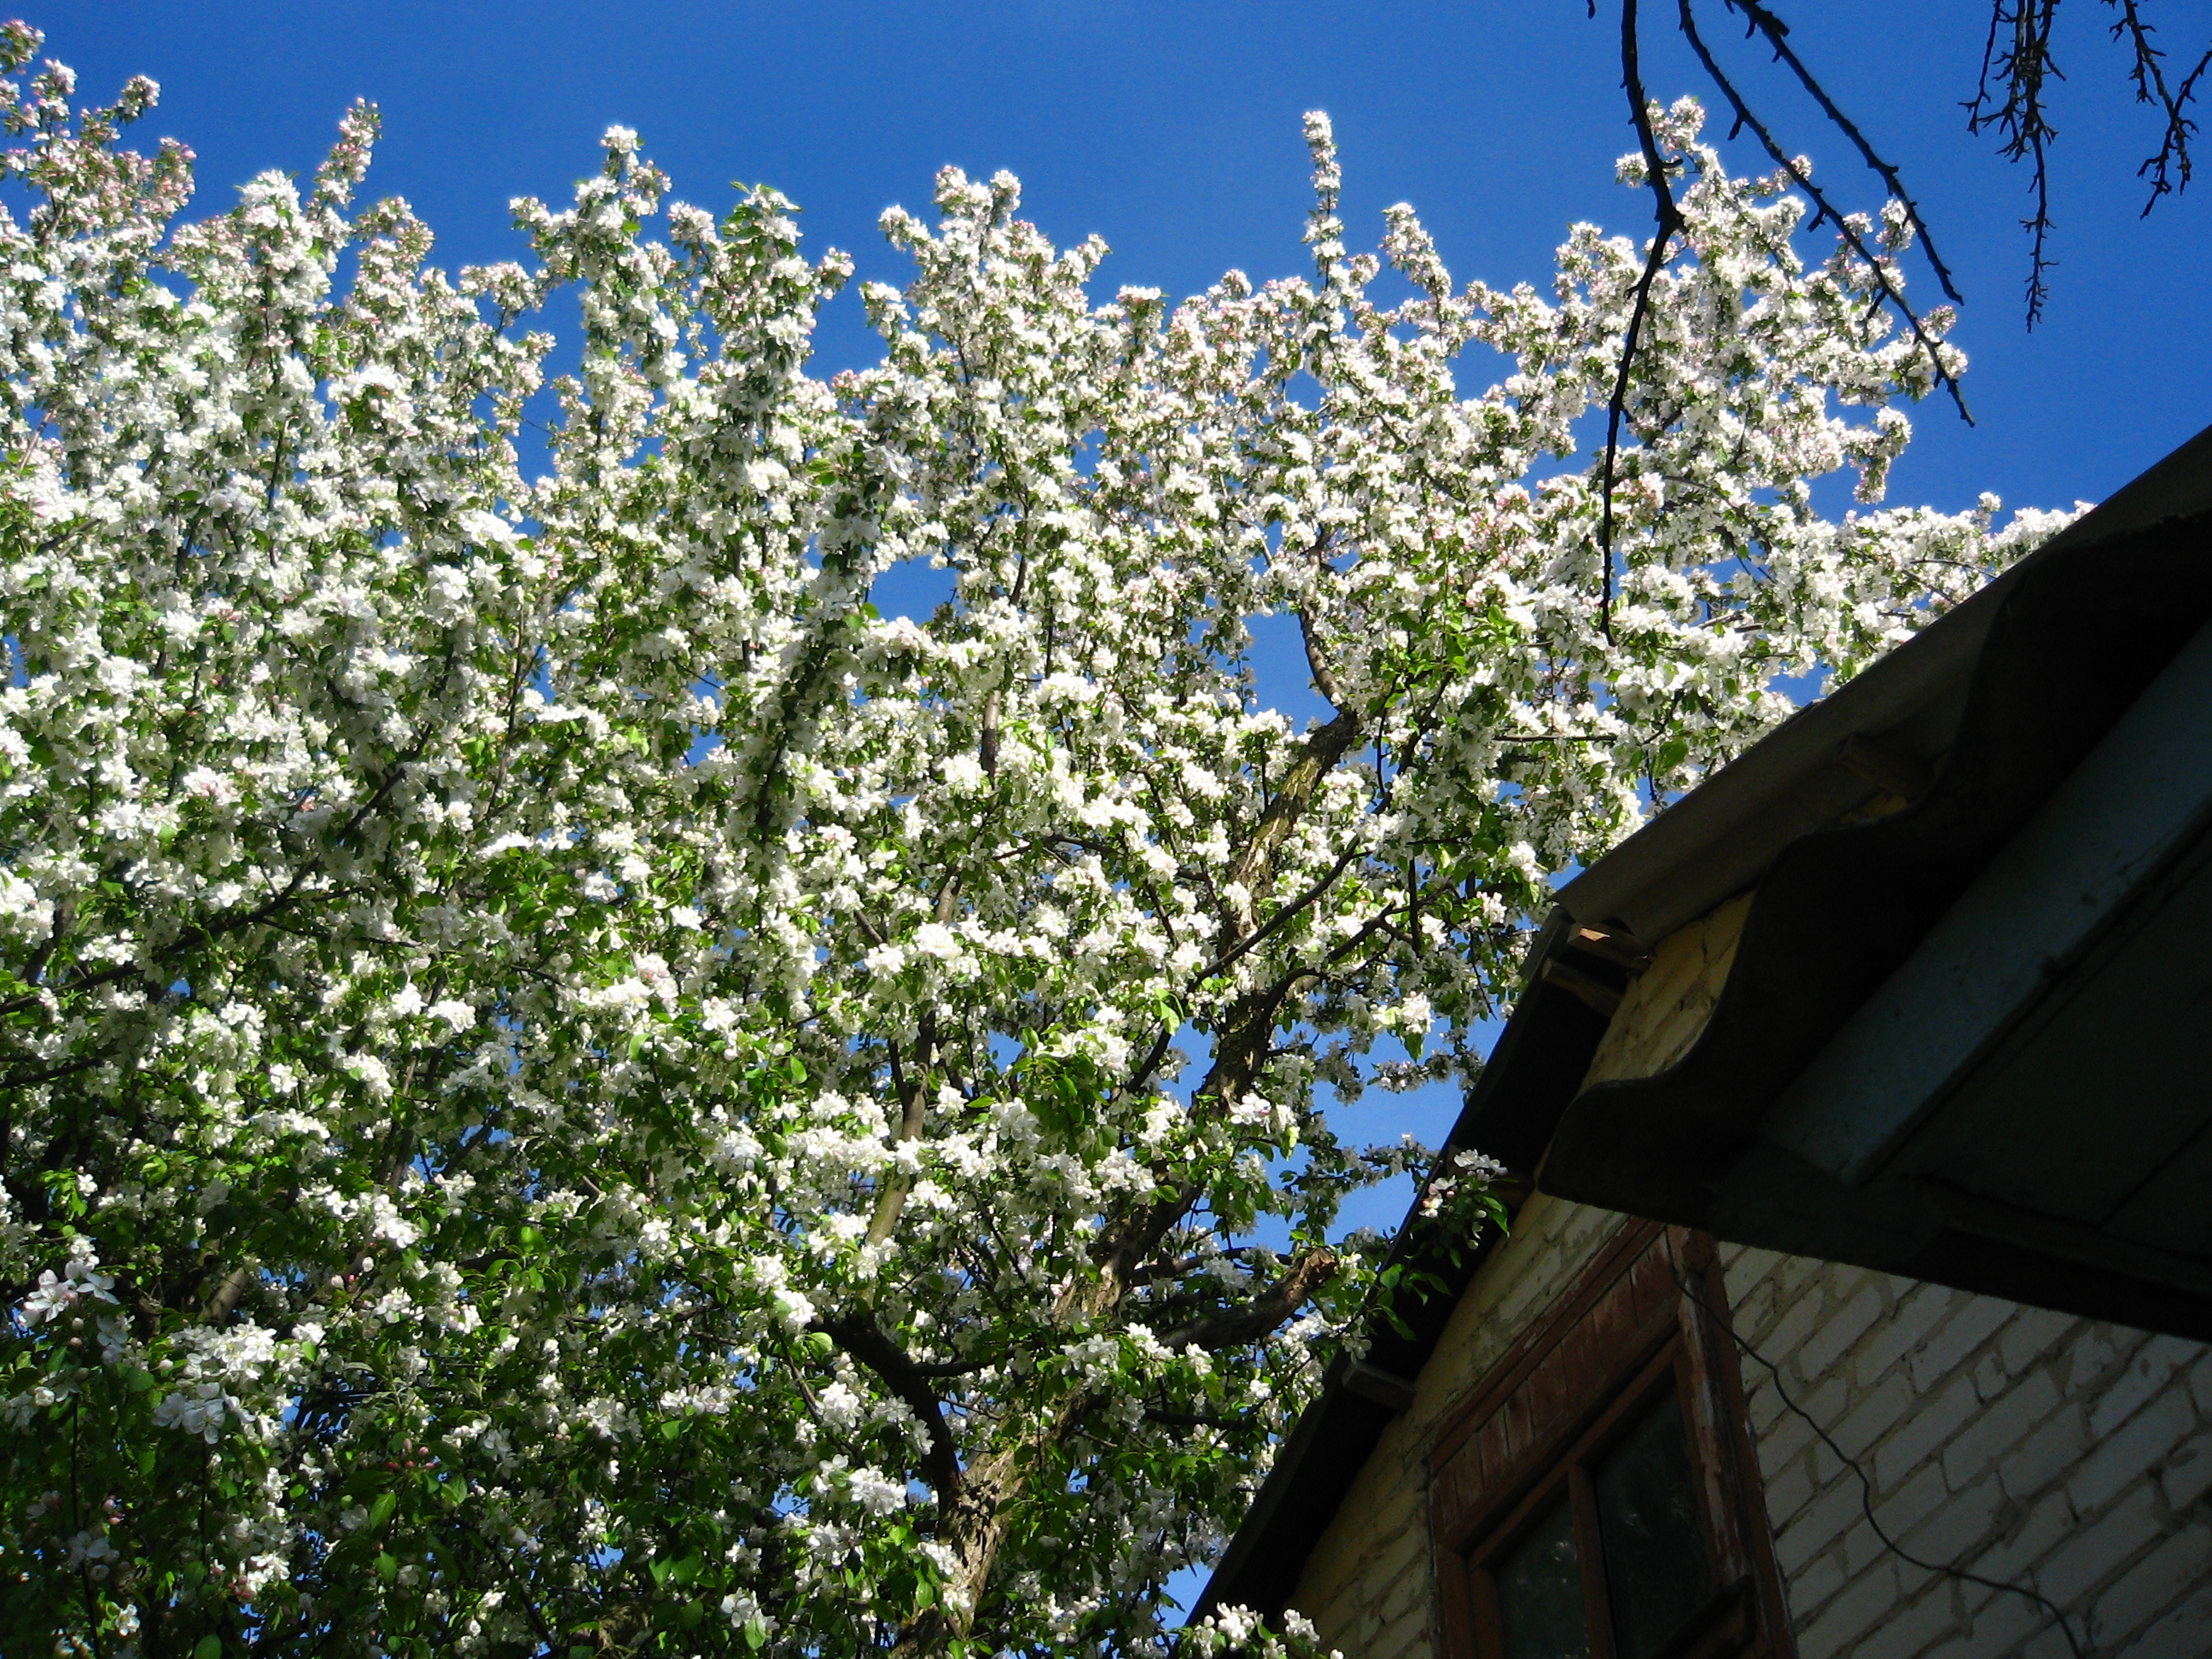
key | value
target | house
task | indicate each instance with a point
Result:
(1858, 1296)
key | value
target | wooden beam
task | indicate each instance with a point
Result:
(1586, 988)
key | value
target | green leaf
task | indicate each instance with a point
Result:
(380, 1510)
(207, 1647)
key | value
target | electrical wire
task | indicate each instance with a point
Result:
(1866, 1486)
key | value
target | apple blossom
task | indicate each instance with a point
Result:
(569, 1084)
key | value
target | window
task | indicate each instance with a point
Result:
(1609, 1554)
(1592, 1501)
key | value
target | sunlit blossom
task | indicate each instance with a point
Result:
(578, 1075)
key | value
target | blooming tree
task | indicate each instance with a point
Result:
(570, 1087)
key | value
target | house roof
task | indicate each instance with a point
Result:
(1922, 1003)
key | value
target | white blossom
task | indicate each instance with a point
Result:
(56, 1293)
(545, 1026)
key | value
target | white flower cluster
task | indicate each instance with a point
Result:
(57, 1293)
(564, 1078)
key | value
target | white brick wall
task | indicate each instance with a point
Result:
(2022, 1445)
(2014, 1443)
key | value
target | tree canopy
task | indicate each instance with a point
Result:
(570, 1087)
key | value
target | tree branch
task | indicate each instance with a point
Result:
(1886, 289)
(1260, 934)
(914, 1107)
(1318, 756)
(1775, 31)
(2148, 71)
(859, 1336)
(2021, 69)
(1668, 222)
(1307, 1274)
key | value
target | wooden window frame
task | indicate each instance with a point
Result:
(1643, 1318)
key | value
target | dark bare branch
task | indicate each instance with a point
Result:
(1189, 1419)
(1887, 290)
(1763, 21)
(1151, 1063)
(2017, 56)
(859, 1336)
(1668, 222)
(1266, 1312)
(2169, 168)
(1183, 1267)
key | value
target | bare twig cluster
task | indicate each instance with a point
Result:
(2012, 94)
(2011, 97)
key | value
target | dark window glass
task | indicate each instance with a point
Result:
(1655, 1568)
(1540, 1591)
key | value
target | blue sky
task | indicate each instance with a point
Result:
(1173, 131)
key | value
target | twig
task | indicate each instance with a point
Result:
(1887, 290)
(2021, 69)
(2148, 73)
(1770, 26)
(1261, 933)
(1668, 223)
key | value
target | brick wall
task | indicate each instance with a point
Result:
(2023, 1445)
(1367, 1586)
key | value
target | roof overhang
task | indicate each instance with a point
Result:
(1962, 1043)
